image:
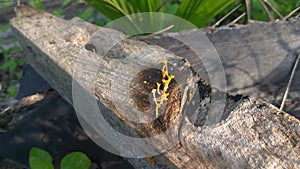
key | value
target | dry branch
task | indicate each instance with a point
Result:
(252, 133)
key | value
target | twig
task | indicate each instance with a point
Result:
(291, 13)
(248, 8)
(161, 31)
(224, 17)
(273, 8)
(289, 83)
(267, 10)
(237, 19)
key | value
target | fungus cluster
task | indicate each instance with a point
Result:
(162, 94)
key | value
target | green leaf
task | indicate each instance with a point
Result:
(75, 160)
(11, 63)
(100, 21)
(115, 9)
(14, 49)
(12, 66)
(20, 61)
(258, 12)
(58, 12)
(19, 75)
(4, 27)
(37, 4)
(200, 12)
(40, 159)
(66, 2)
(188, 8)
(5, 65)
(37, 163)
(86, 14)
(171, 8)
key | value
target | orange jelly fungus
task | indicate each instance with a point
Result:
(163, 95)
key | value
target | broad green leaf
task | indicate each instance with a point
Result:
(75, 160)
(38, 163)
(40, 159)
(115, 9)
(171, 8)
(188, 8)
(200, 12)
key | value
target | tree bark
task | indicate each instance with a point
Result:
(257, 58)
(251, 133)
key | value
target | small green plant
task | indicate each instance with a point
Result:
(41, 159)
(11, 63)
(198, 12)
(201, 13)
(9, 66)
(11, 91)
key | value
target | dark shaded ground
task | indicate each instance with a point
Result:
(52, 124)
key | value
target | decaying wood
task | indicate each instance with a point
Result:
(252, 134)
(257, 58)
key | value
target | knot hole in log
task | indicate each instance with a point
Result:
(141, 93)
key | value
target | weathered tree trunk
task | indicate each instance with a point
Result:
(252, 133)
(257, 58)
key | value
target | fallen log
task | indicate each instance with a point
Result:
(257, 58)
(251, 133)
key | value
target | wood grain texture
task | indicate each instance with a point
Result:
(253, 133)
(257, 58)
